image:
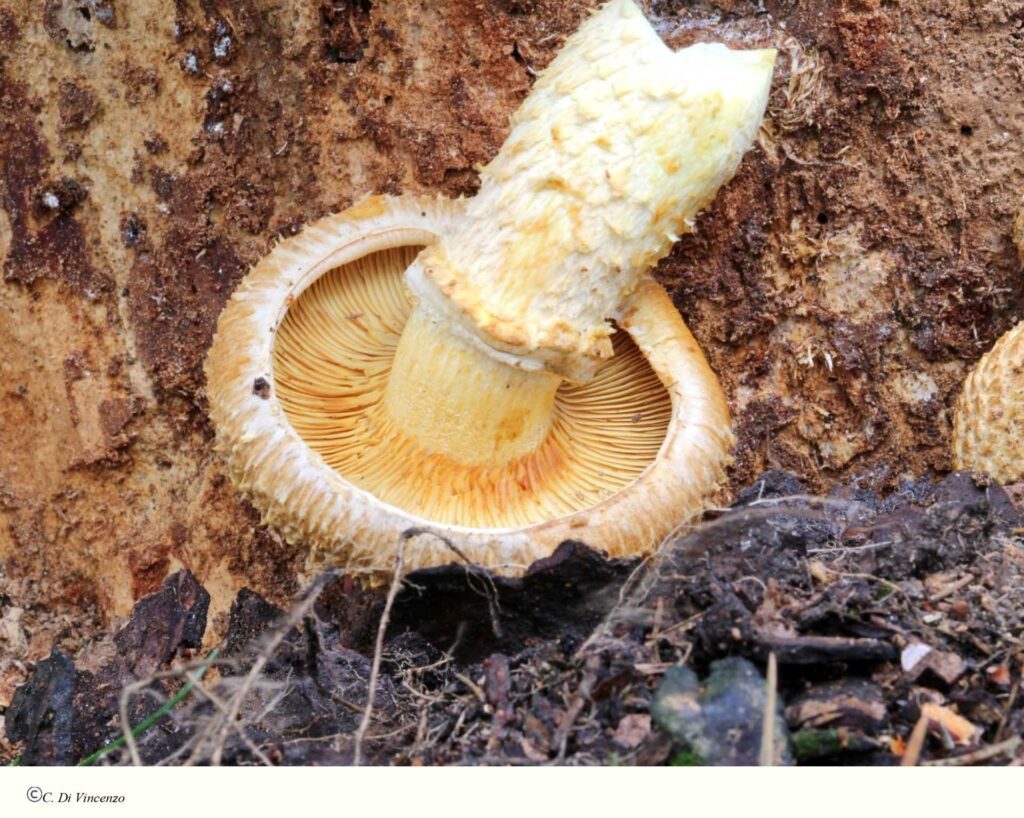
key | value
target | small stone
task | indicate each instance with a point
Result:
(960, 610)
(59, 197)
(912, 654)
(999, 675)
(632, 730)
(919, 660)
(12, 634)
(720, 722)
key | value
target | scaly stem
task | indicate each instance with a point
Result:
(619, 145)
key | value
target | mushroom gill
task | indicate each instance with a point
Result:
(332, 363)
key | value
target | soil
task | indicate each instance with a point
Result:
(881, 615)
(841, 285)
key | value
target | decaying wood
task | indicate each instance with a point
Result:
(841, 285)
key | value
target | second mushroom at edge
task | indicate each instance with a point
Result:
(453, 367)
(988, 419)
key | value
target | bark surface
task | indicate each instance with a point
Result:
(150, 151)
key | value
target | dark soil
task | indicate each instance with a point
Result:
(880, 614)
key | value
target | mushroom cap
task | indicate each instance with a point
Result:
(270, 373)
(988, 424)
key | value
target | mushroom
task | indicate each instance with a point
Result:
(988, 423)
(449, 373)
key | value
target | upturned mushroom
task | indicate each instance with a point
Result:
(453, 368)
(988, 424)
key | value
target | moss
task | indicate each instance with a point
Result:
(686, 758)
(883, 592)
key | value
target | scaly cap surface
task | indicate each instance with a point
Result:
(988, 422)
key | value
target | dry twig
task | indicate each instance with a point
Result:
(984, 754)
(912, 754)
(378, 650)
(767, 758)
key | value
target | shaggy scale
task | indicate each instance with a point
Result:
(332, 359)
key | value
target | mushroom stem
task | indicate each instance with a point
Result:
(619, 145)
(454, 399)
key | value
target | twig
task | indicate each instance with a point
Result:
(122, 707)
(659, 610)
(474, 688)
(949, 590)
(843, 550)
(1006, 711)
(201, 739)
(892, 586)
(767, 758)
(286, 688)
(473, 572)
(378, 650)
(420, 695)
(238, 727)
(683, 625)
(802, 650)
(199, 743)
(984, 754)
(912, 754)
(654, 668)
(586, 685)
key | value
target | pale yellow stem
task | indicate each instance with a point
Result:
(619, 145)
(456, 400)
